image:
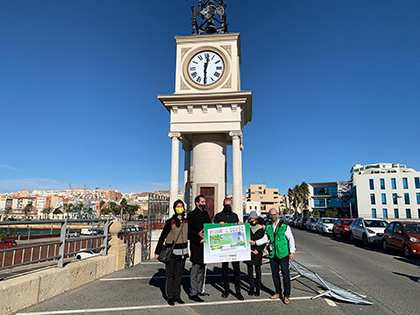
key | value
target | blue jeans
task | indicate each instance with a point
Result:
(283, 263)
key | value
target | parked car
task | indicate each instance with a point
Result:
(310, 224)
(341, 227)
(367, 230)
(403, 236)
(86, 253)
(294, 221)
(72, 234)
(88, 232)
(8, 243)
(324, 225)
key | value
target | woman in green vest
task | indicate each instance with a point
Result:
(281, 248)
(175, 231)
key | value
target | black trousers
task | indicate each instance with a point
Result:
(283, 263)
(174, 272)
(254, 282)
(237, 276)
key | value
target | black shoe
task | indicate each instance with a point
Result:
(239, 297)
(178, 300)
(203, 294)
(196, 298)
(257, 292)
(225, 294)
(171, 302)
(251, 292)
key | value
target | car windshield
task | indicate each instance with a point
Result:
(412, 228)
(375, 223)
(328, 220)
(346, 222)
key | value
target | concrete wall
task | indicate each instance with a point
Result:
(22, 292)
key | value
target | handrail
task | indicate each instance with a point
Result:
(63, 244)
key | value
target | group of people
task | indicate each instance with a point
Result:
(181, 228)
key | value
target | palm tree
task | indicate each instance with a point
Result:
(123, 206)
(47, 211)
(101, 205)
(6, 212)
(57, 211)
(28, 209)
(298, 197)
(68, 208)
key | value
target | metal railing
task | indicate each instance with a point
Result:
(54, 250)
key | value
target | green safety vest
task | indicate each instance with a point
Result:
(279, 244)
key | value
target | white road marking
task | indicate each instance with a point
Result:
(145, 307)
(330, 302)
(163, 277)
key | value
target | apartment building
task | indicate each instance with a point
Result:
(386, 190)
(267, 197)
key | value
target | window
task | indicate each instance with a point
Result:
(382, 182)
(319, 203)
(396, 214)
(417, 182)
(405, 183)
(394, 198)
(371, 185)
(397, 227)
(418, 210)
(393, 183)
(418, 198)
(385, 213)
(383, 197)
(374, 213)
(406, 198)
(372, 199)
(408, 213)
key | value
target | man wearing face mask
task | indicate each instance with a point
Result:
(196, 220)
(281, 248)
(228, 216)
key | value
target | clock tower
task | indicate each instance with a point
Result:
(208, 110)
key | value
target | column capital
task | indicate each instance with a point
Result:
(235, 134)
(174, 135)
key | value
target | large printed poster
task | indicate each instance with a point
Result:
(226, 243)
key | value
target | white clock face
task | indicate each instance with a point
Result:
(206, 68)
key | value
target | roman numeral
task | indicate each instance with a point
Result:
(199, 79)
(200, 57)
(218, 61)
(217, 74)
(195, 62)
(192, 68)
(219, 68)
(213, 57)
(193, 75)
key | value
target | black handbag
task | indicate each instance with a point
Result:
(165, 254)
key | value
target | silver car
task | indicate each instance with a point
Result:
(368, 230)
(325, 225)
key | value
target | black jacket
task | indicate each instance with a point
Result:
(256, 260)
(226, 216)
(196, 220)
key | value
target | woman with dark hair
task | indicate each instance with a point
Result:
(175, 232)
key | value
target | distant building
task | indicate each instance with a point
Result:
(268, 197)
(381, 190)
(386, 190)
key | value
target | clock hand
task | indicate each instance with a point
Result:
(206, 64)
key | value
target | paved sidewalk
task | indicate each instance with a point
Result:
(141, 290)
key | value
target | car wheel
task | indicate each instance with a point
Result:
(341, 235)
(406, 251)
(384, 246)
(78, 257)
(351, 237)
(365, 240)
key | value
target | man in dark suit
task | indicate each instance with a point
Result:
(228, 216)
(196, 220)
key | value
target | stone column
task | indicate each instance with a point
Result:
(236, 173)
(173, 196)
(117, 247)
(187, 166)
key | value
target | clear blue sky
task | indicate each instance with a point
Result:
(335, 83)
